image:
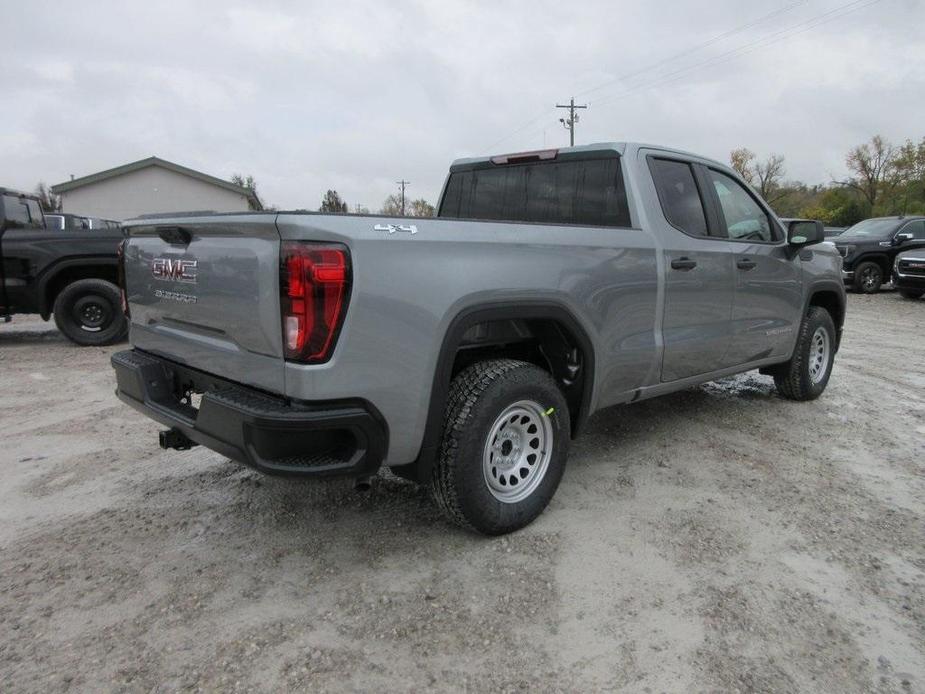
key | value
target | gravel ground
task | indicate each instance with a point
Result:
(718, 539)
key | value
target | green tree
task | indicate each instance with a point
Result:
(906, 190)
(332, 203)
(49, 201)
(249, 183)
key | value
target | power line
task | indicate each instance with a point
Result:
(693, 49)
(719, 37)
(572, 119)
(764, 42)
(403, 183)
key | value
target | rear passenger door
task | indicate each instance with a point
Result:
(768, 303)
(699, 281)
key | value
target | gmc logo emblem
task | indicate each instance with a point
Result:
(175, 269)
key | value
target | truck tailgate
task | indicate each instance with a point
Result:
(204, 292)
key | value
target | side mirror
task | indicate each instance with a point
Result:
(805, 232)
(902, 237)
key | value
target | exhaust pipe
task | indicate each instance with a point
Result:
(362, 484)
(175, 439)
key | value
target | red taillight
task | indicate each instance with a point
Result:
(314, 283)
(120, 254)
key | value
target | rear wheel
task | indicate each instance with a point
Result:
(868, 277)
(911, 293)
(504, 448)
(807, 373)
(89, 312)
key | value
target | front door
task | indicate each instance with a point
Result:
(22, 224)
(699, 276)
(768, 302)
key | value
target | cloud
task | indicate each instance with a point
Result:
(356, 95)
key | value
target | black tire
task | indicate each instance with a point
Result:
(911, 293)
(868, 276)
(795, 380)
(89, 312)
(478, 397)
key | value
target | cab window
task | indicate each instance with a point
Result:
(744, 217)
(678, 195)
(21, 213)
(916, 228)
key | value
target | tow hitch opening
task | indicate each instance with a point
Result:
(176, 439)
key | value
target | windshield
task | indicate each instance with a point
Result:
(872, 228)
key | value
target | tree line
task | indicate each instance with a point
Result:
(884, 179)
(392, 206)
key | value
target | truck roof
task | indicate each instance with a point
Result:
(621, 148)
(12, 191)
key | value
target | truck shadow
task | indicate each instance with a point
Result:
(22, 336)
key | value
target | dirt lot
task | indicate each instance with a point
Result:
(717, 539)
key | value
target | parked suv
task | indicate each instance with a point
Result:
(70, 273)
(869, 249)
(466, 351)
(909, 274)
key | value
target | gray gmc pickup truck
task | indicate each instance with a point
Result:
(465, 351)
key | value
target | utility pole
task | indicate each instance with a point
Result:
(569, 122)
(403, 183)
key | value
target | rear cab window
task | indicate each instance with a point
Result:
(581, 190)
(679, 196)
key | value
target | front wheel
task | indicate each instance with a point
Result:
(807, 373)
(505, 444)
(911, 293)
(868, 277)
(89, 312)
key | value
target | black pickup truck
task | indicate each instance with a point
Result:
(69, 273)
(869, 249)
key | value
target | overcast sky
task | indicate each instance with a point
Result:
(307, 96)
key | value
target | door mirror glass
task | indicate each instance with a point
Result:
(805, 232)
(903, 236)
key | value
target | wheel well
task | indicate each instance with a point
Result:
(71, 274)
(830, 302)
(544, 342)
(882, 260)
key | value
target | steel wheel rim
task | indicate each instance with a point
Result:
(819, 355)
(517, 451)
(92, 313)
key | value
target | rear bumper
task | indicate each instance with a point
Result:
(271, 434)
